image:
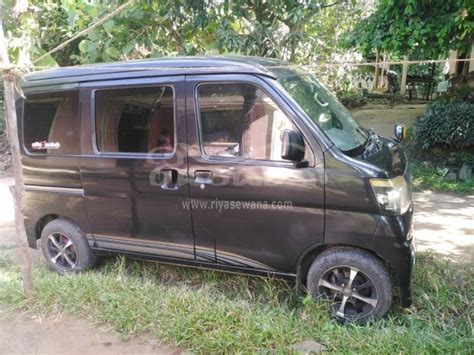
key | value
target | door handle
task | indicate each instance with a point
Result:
(203, 177)
(169, 179)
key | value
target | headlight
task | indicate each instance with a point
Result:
(392, 195)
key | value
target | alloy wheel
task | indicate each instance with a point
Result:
(352, 293)
(61, 251)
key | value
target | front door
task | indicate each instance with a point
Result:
(134, 168)
(250, 208)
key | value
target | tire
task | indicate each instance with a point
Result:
(367, 297)
(65, 247)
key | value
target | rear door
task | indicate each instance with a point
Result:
(250, 208)
(134, 166)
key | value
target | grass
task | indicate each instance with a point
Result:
(432, 179)
(207, 311)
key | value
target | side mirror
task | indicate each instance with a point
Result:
(400, 132)
(293, 147)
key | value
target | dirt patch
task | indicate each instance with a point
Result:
(7, 213)
(382, 118)
(444, 224)
(64, 334)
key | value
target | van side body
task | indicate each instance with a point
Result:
(141, 204)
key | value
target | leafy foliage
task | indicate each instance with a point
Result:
(446, 123)
(432, 178)
(427, 27)
(297, 30)
(351, 98)
(459, 93)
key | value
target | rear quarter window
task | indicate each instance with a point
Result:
(51, 123)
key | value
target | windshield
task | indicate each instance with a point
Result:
(324, 109)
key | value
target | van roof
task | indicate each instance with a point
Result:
(153, 67)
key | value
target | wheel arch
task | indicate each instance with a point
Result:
(309, 255)
(44, 220)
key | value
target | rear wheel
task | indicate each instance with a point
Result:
(65, 247)
(354, 281)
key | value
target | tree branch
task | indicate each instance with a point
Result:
(85, 31)
(332, 4)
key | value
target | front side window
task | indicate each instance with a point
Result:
(135, 120)
(238, 120)
(51, 123)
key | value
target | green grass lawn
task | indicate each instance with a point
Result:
(206, 311)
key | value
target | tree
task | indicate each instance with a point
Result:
(302, 31)
(426, 28)
(17, 190)
(297, 30)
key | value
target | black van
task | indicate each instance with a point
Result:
(239, 164)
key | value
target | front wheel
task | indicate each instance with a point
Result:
(355, 282)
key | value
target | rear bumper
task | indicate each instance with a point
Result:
(394, 242)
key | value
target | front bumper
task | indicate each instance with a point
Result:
(405, 274)
(394, 242)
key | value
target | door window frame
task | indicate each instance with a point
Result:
(95, 141)
(93, 87)
(218, 159)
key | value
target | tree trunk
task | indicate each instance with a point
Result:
(382, 70)
(293, 46)
(376, 79)
(17, 190)
(471, 63)
(293, 41)
(403, 84)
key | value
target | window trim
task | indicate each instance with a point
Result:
(218, 159)
(95, 140)
(28, 150)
